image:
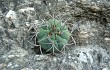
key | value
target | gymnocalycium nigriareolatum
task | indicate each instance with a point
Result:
(52, 36)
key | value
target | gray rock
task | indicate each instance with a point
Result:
(88, 21)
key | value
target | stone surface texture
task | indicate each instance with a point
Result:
(87, 20)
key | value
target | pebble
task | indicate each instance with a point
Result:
(9, 64)
(28, 69)
(2, 65)
(41, 57)
(107, 39)
(26, 9)
(104, 69)
(11, 15)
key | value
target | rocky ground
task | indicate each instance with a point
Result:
(87, 20)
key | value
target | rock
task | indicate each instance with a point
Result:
(28, 69)
(20, 18)
(27, 9)
(95, 8)
(107, 39)
(11, 18)
(41, 57)
(15, 52)
(104, 69)
(11, 15)
(82, 57)
(3, 66)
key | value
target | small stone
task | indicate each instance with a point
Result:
(82, 1)
(73, 65)
(11, 15)
(11, 56)
(27, 69)
(104, 69)
(83, 34)
(38, 1)
(107, 39)
(27, 24)
(26, 9)
(95, 8)
(55, 59)
(41, 57)
(60, 0)
(82, 57)
(9, 64)
(36, 22)
(16, 65)
(2, 65)
(69, 57)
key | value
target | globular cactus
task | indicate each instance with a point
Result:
(53, 36)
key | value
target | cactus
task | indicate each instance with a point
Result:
(53, 36)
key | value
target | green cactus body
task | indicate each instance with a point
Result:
(53, 36)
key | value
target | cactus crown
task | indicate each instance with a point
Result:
(53, 36)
